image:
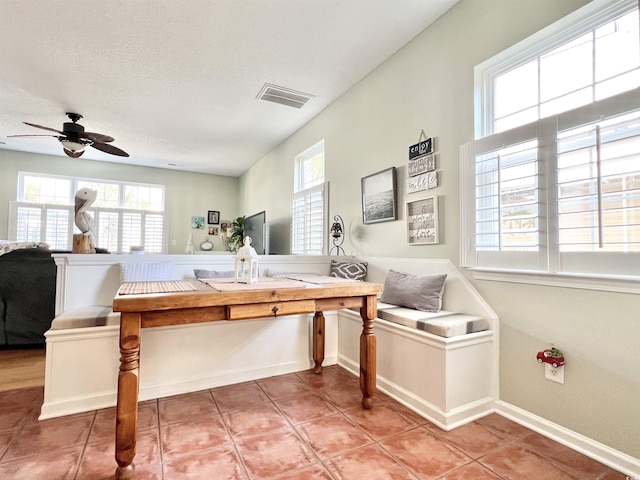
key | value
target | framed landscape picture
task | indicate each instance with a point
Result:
(422, 222)
(379, 197)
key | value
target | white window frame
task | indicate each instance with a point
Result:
(14, 207)
(543, 267)
(311, 226)
(581, 21)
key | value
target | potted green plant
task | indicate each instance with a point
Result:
(237, 234)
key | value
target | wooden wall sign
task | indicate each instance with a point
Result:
(421, 182)
(420, 165)
(421, 148)
(422, 222)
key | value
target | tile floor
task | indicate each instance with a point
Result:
(298, 426)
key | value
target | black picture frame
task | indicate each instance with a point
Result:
(213, 217)
(379, 202)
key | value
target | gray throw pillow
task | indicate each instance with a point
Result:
(349, 270)
(201, 273)
(421, 293)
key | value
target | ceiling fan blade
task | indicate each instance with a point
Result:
(44, 128)
(73, 154)
(109, 149)
(56, 136)
(97, 137)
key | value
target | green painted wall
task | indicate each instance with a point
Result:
(428, 85)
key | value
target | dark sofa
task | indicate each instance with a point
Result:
(27, 296)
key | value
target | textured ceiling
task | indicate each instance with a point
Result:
(175, 81)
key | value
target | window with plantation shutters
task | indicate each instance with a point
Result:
(598, 194)
(125, 214)
(31, 222)
(551, 185)
(308, 221)
(506, 201)
(560, 195)
(308, 206)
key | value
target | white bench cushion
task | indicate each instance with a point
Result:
(94, 316)
(442, 323)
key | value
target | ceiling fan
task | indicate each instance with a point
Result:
(74, 139)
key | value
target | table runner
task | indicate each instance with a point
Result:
(320, 279)
(228, 285)
(131, 288)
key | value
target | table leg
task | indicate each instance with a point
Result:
(368, 352)
(318, 342)
(127, 406)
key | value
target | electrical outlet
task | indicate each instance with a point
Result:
(555, 374)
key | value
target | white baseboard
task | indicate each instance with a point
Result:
(449, 420)
(196, 384)
(445, 420)
(100, 400)
(80, 404)
(608, 456)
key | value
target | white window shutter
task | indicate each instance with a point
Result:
(308, 221)
(153, 232)
(58, 221)
(131, 230)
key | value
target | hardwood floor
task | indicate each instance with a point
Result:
(21, 368)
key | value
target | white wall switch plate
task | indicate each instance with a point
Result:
(555, 374)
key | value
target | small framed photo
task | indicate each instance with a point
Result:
(213, 217)
(422, 222)
(197, 222)
(379, 197)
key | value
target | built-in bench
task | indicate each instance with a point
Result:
(82, 352)
(450, 379)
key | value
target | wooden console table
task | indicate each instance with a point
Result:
(207, 305)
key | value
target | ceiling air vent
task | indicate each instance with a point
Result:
(283, 96)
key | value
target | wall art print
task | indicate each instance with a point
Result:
(379, 197)
(213, 217)
(197, 222)
(422, 222)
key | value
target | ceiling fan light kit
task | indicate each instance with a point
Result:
(74, 139)
(71, 145)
